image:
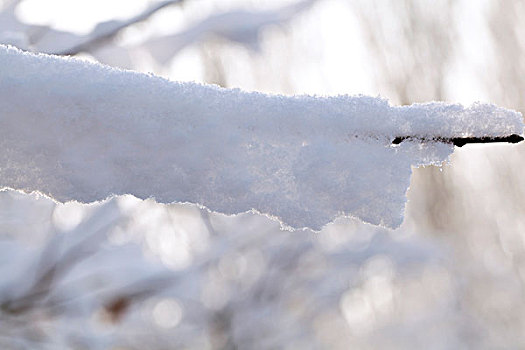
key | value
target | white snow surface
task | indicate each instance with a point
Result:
(82, 131)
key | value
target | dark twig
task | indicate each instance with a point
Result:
(461, 141)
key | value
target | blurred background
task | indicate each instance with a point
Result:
(133, 274)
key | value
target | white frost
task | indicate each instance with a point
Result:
(82, 131)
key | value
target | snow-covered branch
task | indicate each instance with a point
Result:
(82, 131)
(241, 26)
(107, 30)
(42, 38)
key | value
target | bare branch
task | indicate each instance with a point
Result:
(460, 141)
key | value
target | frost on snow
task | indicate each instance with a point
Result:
(81, 131)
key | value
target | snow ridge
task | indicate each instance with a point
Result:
(82, 131)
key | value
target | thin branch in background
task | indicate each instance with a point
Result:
(505, 22)
(108, 30)
(412, 51)
(57, 258)
(11, 4)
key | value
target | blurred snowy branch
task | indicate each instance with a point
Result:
(48, 40)
(243, 27)
(239, 26)
(81, 288)
(107, 30)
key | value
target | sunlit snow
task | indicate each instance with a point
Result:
(82, 131)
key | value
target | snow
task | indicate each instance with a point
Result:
(81, 131)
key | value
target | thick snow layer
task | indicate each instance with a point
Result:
(81, 131)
